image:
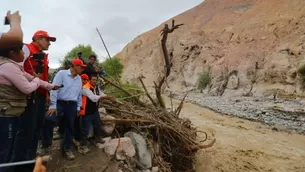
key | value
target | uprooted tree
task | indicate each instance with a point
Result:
(172, 140)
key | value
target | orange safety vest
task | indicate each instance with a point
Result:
(30, 63)
(84, 99)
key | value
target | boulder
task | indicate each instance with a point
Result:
(125, 147)
(143, 154)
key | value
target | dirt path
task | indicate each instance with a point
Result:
(94, 161)
(243, 145)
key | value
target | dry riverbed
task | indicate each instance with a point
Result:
(284, 115)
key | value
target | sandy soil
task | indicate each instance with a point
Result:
(243, 145)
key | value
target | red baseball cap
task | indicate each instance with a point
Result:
(79, 62)
(84, 76)
(42, 33)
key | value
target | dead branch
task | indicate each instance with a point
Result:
(148, 126)
(171, 100)
(158, 94)
(168, 64)
(145, 89)
(197, 147)
(136, 99)
(119, 141)
(126, 120)
(179, 108)
(123, 111)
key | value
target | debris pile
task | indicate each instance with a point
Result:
(162, 141)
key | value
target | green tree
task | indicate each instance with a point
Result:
(113, 67)
(85, 49)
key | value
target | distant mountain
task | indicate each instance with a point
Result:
(244, 42)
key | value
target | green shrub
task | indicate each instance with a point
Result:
(114, 70)
(113, 67)
(203, 80)
(134, 89)
(72, 54)
(301, 71)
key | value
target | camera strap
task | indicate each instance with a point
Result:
(31, 65)
(34, 93)
(34, 71)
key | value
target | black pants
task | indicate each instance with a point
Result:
(69, 110)
(77, 128)
(8, 130)
(88, 121)
(29, 132)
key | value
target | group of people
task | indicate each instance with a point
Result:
(30, 106)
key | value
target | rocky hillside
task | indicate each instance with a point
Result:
(244, 43)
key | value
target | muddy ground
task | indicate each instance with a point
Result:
(95, 161)
(241, 145)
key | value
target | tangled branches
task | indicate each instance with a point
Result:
(172, 139)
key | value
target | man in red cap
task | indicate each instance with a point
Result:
(36, 64)
(66, 103)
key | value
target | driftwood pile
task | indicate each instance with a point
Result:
(173, 141)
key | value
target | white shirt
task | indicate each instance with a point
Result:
(92, 95)
(26, 51)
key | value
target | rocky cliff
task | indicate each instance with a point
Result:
(244, 44)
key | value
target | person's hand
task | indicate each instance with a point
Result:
(39, 167)
(37, 75)
(51, 112)
(108, 98)
(14, 18)
(78, 113)
(111, 98)
(56, 87)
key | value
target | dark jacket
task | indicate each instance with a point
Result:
(89, 69)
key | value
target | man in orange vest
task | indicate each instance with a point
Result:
(36, 64)
(78, 121)
(89, 111)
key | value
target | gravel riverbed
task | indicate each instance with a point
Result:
(287, 115)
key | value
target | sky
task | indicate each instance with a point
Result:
(74, 22)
